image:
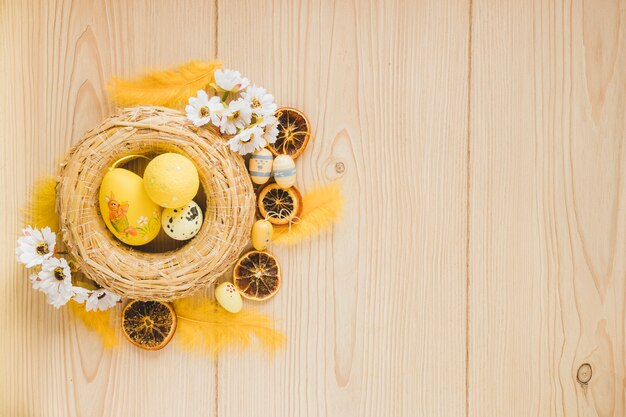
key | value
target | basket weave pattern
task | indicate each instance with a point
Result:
(229, 214)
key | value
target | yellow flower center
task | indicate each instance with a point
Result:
(204, 111)
(255, 103)
(42, 248)
(235, 114)
(58, 273)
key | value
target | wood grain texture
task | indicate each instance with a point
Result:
(374, 311)
(481, 260)
(547, 223)
(57, 58)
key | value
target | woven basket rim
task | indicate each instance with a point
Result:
(163, 276)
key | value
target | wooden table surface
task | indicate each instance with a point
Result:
(481, 147)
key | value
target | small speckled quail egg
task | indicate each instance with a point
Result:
(182, 223)
(229, 298)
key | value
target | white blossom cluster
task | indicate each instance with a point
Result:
(53, 276)
(243, 111)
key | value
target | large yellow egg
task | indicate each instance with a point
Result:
(171, 180)
(126, 209)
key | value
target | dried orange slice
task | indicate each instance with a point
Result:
(294, 131)
(279, 205)
(257, 275)
(149, 325)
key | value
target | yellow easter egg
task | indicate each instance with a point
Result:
(126, 209)
(284, 171)
(228, 297)
(262, 232)
(171, 180)
(260, 166)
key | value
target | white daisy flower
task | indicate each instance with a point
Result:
(35, 246)
(270, 128)
(248, 141)
(237, 116)
(230, 80)
(80, 294)
(201, 110)
(55, 279)
(261, 102)
(142, 220)
(101, 300)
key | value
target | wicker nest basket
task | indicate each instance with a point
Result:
(229, 214)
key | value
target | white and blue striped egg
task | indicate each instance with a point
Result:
(260, 166)
(284, 171)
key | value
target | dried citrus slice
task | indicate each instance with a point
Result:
(148, 324)
(279, 205)
(294, 131)
(257, 275)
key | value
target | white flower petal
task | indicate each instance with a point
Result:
(202, 95)
(80, 294)
(195, 103)
(215, 103)
(261, 101)
(59, 291)
(193, 109)
(248, 141)
(101, 300)
(32, 243)
(230, 80)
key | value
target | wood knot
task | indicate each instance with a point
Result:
(584, 373)
(335, 169)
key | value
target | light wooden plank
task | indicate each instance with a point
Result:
(55, 60)
(374, 310)
(548, 217)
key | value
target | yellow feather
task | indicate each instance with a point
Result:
(169, 88)
(322, 207)
(203, 325)
(40, 210)
(101, 322)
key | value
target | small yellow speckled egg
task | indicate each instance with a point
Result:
(171, 180)
(284, 171)
(262, 232)
(228, 297)
(260, 166)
